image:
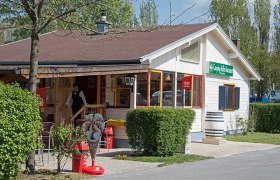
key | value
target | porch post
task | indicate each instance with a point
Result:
(134, 94)
(98, 89)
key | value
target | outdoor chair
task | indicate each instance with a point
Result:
(103, 142)
(46, 139)
(39, 149)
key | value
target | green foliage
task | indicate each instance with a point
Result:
(66, 137)
(265, 117)
(20, 123)
(148, 13)
(158, 131)
(82, 13)
(254, 34)
(236, 23)
(275, 63)
(262, 21)
(242, 124)
(262, 61)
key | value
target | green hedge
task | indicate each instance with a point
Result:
(158, 131)
(265, 117)
(19, 126)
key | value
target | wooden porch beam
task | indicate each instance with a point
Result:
(52, 72)
(87, 74)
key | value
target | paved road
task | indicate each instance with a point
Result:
(258, 165)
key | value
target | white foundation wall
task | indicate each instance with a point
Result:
(196, 126)
(217, 53)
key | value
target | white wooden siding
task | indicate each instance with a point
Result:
(216, 52)
(196, 126)
(171, 62)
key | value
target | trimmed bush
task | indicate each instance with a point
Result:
(265, 117)
(158, 131)
(20, 122)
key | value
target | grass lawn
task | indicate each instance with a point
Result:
(177, 158)
(265, 138)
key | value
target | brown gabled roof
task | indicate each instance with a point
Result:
(129, 45)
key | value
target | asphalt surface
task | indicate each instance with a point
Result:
(257, 165)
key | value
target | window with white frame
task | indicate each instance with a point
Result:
(191, 53)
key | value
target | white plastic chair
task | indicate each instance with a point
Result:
(40, 151)
(46, 135)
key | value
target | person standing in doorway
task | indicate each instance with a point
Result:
(77, 98)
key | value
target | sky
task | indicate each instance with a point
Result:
(191, 16)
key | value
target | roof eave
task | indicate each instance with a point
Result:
(178, 43)
(248, 65)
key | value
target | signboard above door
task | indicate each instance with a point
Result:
(221, 69)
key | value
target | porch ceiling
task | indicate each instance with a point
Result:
(71, 71)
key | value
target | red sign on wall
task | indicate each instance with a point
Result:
(42, 92)
(187, 82)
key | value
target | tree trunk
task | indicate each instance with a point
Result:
(33, 63)
(30, 164)
(59, 160)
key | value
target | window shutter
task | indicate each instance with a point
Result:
(237, 97)
(222, 97)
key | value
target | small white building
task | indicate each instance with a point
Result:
(141, 68)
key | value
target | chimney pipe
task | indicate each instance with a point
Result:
(103, 16)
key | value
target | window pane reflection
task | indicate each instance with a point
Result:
(180, 91)
(196, 91)
(168, 89)
(142, 89)
(155, 89)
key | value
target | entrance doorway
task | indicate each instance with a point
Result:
(88, 84)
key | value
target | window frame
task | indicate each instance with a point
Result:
(200, 91)
(235, 97)
(232, 106)
(173, 88)
(185, 47)
(192, 91)
(149, 89)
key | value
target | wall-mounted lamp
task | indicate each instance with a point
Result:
(129, 81)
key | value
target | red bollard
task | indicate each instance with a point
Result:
(109, 138)
(78, 160)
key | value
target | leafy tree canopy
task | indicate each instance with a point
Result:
(58, 14)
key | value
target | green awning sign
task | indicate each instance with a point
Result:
(221, 69)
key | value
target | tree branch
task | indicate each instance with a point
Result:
(40, 8)
(182, 13)
(59, 16)
(53, 18)
(78, 24)
(197, 17)
(30, 11)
